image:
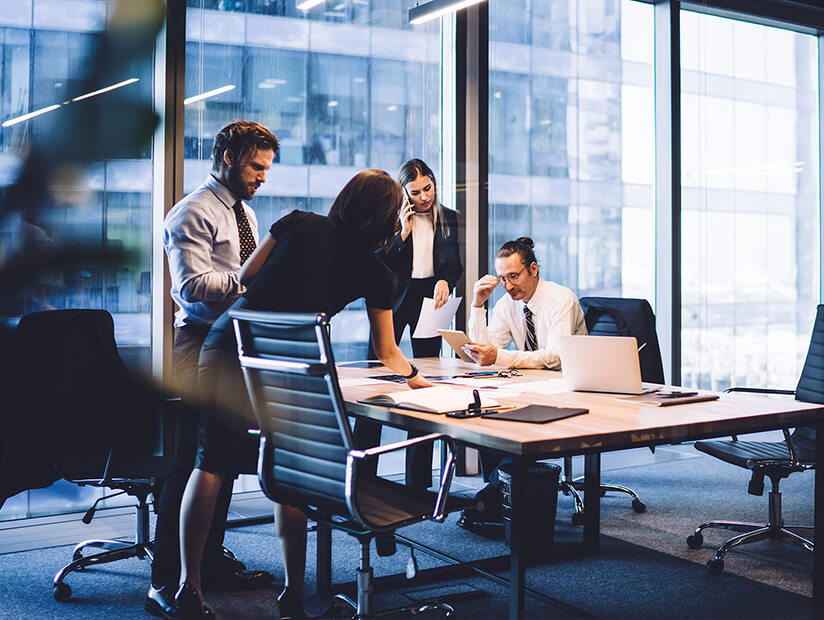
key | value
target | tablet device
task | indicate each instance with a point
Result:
(456, 339)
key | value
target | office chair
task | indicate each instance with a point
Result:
(307, 457)
(98, 420)
(773, 459)
(615, 316)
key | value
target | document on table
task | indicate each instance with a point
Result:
(431, 320)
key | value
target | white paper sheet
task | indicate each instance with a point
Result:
(360, 381)
(431, 320)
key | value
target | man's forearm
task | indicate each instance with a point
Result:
(212, 287)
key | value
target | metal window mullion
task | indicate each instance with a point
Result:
(167, 175)
(668, 185)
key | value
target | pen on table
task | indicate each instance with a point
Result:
(488, 373)
(641, 347)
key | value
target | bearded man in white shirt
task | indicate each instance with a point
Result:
(533, 314)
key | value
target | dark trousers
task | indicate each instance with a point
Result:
(166, 565)
(418, 458)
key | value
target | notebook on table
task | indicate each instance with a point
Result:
(438, 399)
(536, 414)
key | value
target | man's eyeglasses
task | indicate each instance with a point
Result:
(512, 278)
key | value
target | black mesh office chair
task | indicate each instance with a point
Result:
(774, 459)
(615, 316)
(98, 419)
(307, 456)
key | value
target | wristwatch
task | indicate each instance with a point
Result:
(414, 372)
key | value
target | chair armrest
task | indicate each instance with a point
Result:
(438, 512)
(393, 447)
(759, 390)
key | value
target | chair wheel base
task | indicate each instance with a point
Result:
(715, 566)
(638, 506)
(62, 592)
(694, 541)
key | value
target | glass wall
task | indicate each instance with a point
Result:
(345, 86)
(750, 227)
(47, 52)
(571, 140)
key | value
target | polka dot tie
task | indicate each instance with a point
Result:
(531, 338)
(245, 236)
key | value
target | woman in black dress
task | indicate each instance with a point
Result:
(306, 263)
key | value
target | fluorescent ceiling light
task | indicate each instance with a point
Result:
(309, 4)
(107, 89)
(25, 117)
(437, 8)
(52, 108)
(209, 93)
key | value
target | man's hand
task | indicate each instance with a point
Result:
(441, 293)
(483, 354)
(406, 217)
(483, 289)
(418, 382)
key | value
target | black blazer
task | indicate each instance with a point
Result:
(446, 259)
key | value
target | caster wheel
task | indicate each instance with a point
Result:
(62, 592)
(577, 518)
(715, 566)
(638, 505)
(603, 493)
(694, 541)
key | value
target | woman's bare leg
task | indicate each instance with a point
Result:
(291, 529)
(196, 511)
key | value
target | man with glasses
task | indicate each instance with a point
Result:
(533, 315)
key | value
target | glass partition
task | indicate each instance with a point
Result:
(345, 86)
(750, 215)
(571, 140)
(46, 49)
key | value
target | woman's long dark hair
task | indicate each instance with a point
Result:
(410, 171)
(369, 205)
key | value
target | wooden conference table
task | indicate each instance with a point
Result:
(611, 424)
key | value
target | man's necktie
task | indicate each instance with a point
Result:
(531, 337)
(247, 239)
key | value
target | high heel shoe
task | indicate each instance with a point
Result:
(289, 604)
(189, 604)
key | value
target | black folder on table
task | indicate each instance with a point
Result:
(536, 414)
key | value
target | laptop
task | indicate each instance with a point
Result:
(602, 364)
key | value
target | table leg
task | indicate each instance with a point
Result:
(592, 501)
(818, 524)
(324, 561)
(517, 540)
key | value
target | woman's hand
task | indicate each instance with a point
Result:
(441, 293)
(406, 217)
(418, 382)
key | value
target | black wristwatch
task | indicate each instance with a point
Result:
(414, 372)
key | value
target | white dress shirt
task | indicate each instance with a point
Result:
(200, 236)
(423, 243)
(556, 312)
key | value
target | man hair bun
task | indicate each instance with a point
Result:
(526, 241)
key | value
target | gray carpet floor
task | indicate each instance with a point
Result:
(643, 569)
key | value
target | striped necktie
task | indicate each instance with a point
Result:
(531, 337)
(245, 236)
